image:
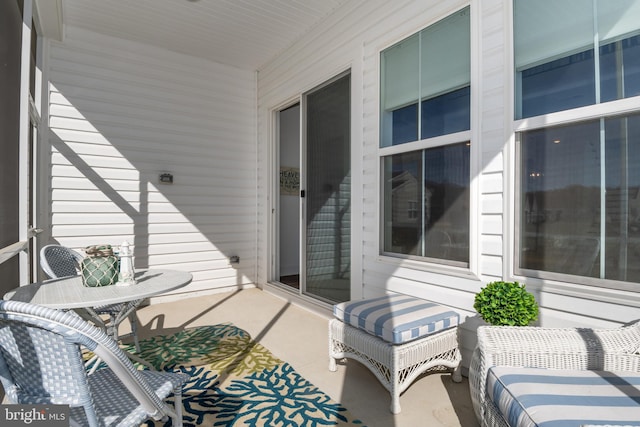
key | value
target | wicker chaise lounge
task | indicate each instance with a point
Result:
(529, 376)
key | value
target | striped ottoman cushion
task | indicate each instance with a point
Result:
(559, 398)
(396, 318)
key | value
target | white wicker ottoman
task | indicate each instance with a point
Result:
(397, 337)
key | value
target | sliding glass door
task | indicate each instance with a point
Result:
(327, 201)
(314, 221)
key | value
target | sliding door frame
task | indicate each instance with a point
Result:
(273, 234)
(304, 168)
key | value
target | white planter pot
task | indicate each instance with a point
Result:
(467, 337)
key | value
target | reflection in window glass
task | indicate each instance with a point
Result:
(425, 80)
(561, 47)
(403, 196)
(558, 85)
(560, 198)
(620, 69)
(404, 124)
(622, 201)
(563, 228)
(427, 203)
(445, 114)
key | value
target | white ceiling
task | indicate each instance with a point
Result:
(241, 33)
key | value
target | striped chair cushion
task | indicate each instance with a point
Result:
(562, 398)
(396, 318)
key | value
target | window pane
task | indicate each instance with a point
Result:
(446, 105)
(622, 203)
(448, 113)
(400, 73)
(402, 203)
(432, 67)
(405, 124)
(617, 19)
(545, 30)
(400, 86)
(445, 55)
(618, 32)
(560, 203)
(446, 184)
(562, 223)
(427, 203)
(555, 47)
(620, 69)
(558, 85)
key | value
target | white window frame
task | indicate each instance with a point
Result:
(566, 284)
(469, 269)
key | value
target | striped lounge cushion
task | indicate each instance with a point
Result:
(562, 398)
(396, 318)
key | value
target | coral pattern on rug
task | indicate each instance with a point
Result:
(238, 382)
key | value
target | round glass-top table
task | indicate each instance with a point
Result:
(70, 293)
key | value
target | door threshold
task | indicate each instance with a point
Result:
(321, 308)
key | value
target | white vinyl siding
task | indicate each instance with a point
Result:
(354, 37)
(121, 114)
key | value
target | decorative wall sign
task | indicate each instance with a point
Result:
(289, 181)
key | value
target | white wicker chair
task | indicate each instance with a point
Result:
(615, 349)
(59, 261)
(41, 363)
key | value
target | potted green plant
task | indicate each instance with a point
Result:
(506, 304)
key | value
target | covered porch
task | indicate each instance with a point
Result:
(299, 336)
(161, 123)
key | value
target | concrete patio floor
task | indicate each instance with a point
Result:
(300, 337)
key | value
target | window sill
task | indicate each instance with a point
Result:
(423, 264)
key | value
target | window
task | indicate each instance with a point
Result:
(580, 204)
(438, 226)
(575, 53)
(425, 96)
(432, 66)
(578, 195)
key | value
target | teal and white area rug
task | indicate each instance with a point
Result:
(238, 382)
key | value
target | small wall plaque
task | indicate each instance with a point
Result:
(289, 181)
